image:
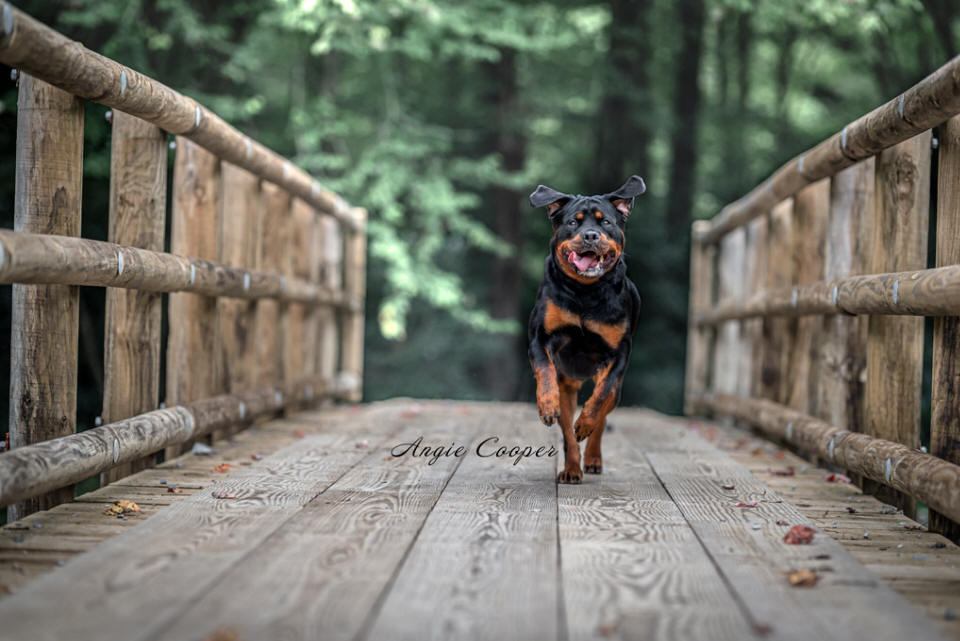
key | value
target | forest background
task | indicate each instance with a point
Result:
(441, 116)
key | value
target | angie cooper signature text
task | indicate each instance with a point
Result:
(486, 448)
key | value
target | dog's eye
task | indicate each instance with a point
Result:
(605, 222)
(572, 223)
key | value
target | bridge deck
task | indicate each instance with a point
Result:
(328, 537)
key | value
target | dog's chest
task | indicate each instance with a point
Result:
(556, 318)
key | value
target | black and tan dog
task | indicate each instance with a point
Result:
(583, 322)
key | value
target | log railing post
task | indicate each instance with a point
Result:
(945, 392)
(730, 263)
(192, 317)
(235, 357)
(295, 361)
(44, 319)
(895, 343)
(138, 201)
(355, 270)
(698, 336)
(777, 334)
(756, 280)
(331, 277)
(810, 208)
(269, 343)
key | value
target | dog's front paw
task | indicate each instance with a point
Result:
(584, 427)
(592, 464)
(571, 474)
(549, 407)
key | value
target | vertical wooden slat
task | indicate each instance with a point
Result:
(757, 278)
(730, 263)
(193, 338)
(751, 329)
(945, 393)
(355, 271)
(44, 318)
(295, 361)
(698, 338)
(810, 208)
(895, 343)
(138, 201)
(235, 360)
(843, 343)
(777, 331)
(311, 345)
(273, 229)
(331, 277)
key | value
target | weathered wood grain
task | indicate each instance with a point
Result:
(331, 276)
(322, 574)
(355, 278)
(300, 220)
(699, 338)
(895, 345)
(777, 332)
(44, 319)
(730, 288)
(632, 566)
(488, 546)
(753, 559)
(945, 388)
(273, 233)
(810, 208)
(138, 212)
(39, 50)
(758, 264)
(143, 579)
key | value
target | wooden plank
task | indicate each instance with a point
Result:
(295, 361)
(193, 318)
(138, 213)
(699, 339)
(945, 389)
(273, 230)
(895, 344)
(144, 578)
(751, 330)
(235, 358)
(314, 274)
(843, 344)
(730, 263)
(747, 546)
(777, 332)
(323, 574)
(810, 209)
(489, 545)
(632, 566)
(328, 352)
(355, 266)
(44, 318)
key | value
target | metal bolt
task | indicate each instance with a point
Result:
(108, 116)
(14, 75)
(173, 144)
(934, 143)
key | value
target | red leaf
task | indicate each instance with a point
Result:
(747, 504)
(836, 478)
(799, 535)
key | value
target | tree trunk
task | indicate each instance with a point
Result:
(506, 140)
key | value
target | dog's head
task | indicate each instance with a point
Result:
(588, 230)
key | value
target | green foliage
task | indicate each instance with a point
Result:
(410, 108)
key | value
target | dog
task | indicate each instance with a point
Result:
(585, 315)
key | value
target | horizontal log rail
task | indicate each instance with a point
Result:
(28, 258)
(35, 469)
(925, 292)
(927, 478)
(925, 105)
(31, 46)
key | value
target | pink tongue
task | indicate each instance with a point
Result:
(583, 263)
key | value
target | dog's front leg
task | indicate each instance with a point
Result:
(571, 448)
(606, 392)
(548, 391)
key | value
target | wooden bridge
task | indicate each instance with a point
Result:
(251, 505)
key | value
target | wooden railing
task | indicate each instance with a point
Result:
(265, 274)
(807, 297)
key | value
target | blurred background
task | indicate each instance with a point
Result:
(441, 117)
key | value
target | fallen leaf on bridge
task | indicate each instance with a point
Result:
(918, 528)
(122, 506)
(727, 486)
(833, 477)
(787, 472)
(782, 522)
(298, 433)
(223, 634)
(747, 504)
(220, 469)
(799, 535)
(223, 495)
(802, 578)
(173, 489)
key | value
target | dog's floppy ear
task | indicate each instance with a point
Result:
(552, 198)
(622, 198)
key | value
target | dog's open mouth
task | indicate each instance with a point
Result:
(589, 263)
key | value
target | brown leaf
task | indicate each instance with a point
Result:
(833, 477)
(747, 504)
(173, 489)
(782, 522)
(122, 506)
(223, 634)
(799, 535)
(802, 578)
(756, 452)
(298, 433)
(220, 494)
(782, 454)
(256, 457)
(223, 467)
(785, 472)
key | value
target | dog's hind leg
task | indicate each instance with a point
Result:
(571, 448)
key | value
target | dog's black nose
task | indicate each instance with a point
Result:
(591, 236)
